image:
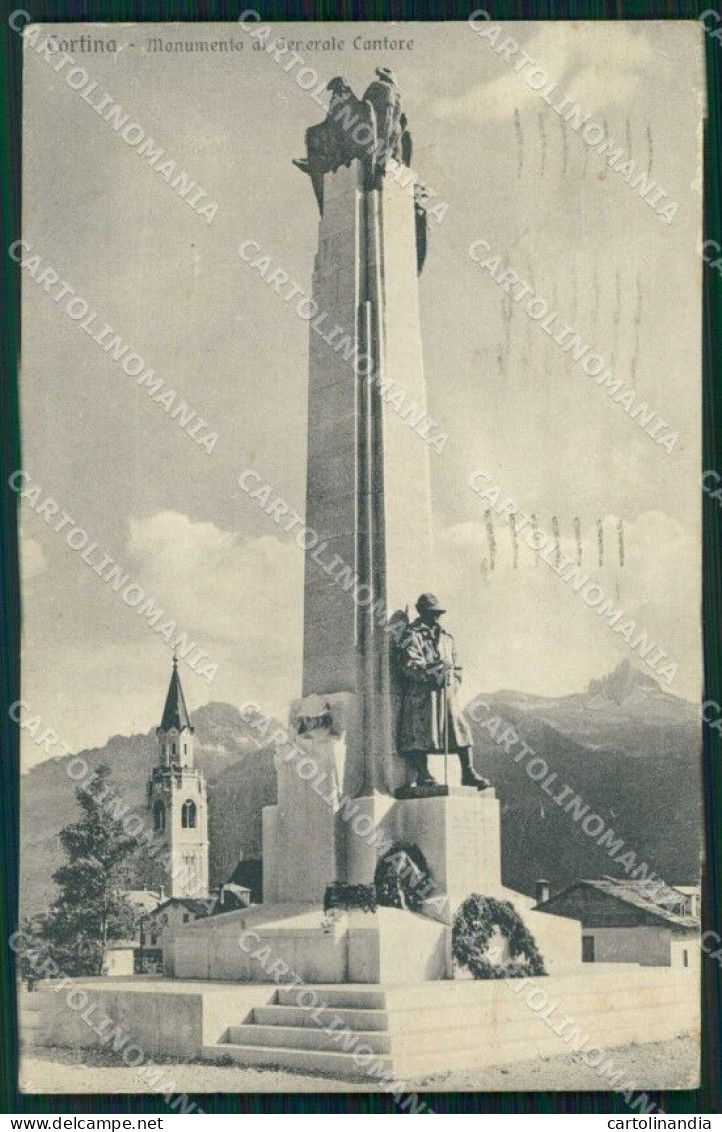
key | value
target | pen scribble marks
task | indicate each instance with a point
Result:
(578, 539)
(557, 542)
(506, 313)
(595, 299)
(491, 540)
(600, 542)
(514, 541)
(628, 136)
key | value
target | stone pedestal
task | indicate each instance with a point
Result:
(319, 833)
(302, 853)
(304, 841)
(459, 836)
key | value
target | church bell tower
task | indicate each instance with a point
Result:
(177, 798)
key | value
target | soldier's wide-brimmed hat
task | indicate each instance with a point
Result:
(386, 73)
(429, 603)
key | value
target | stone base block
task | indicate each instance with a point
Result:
(409, 1032)
(283, 941)
(458, 835)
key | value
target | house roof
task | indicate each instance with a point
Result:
(657, 897)
(175, 713)
(654, 900)
(199, 907)
(143, 898)
(231, 897)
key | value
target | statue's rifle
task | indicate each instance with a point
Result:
(445, 707)
(449, 674)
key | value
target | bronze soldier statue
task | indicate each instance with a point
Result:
(430, 721)
(383, 95)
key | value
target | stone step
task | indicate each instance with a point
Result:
(572, 1001)
(416, 1063)
(422, 1029)
(580, 1013)
(303, 1016)
(414, 1055)
(361, 998)
(446, 993)
(340, 1065)
(603, 979)
(303, 1037)
(517, 1034)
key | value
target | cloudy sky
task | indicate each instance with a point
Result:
(513, 404)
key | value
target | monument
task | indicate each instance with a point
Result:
(369, 500)
(377, 706)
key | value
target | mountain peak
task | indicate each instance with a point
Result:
(618, 684)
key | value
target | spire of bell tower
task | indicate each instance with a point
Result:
(175, 713)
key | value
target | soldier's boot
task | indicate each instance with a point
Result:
(424, 777)
(469, 777)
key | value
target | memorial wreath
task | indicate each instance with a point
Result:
(475, 923)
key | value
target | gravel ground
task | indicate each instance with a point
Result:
(656, 1065)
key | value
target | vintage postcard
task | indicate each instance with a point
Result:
(361, 558)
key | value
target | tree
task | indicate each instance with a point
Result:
(91, 909)
(33, 950)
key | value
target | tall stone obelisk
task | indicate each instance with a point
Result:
(368, 486)
(369, 501)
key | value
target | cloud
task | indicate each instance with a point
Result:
(220, 585)
(242, 600)
(524, 628)
(596, 65)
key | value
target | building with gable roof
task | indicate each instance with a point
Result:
(631, 921)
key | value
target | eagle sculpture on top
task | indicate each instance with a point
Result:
(369, 129)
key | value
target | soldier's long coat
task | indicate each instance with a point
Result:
(421, 719)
